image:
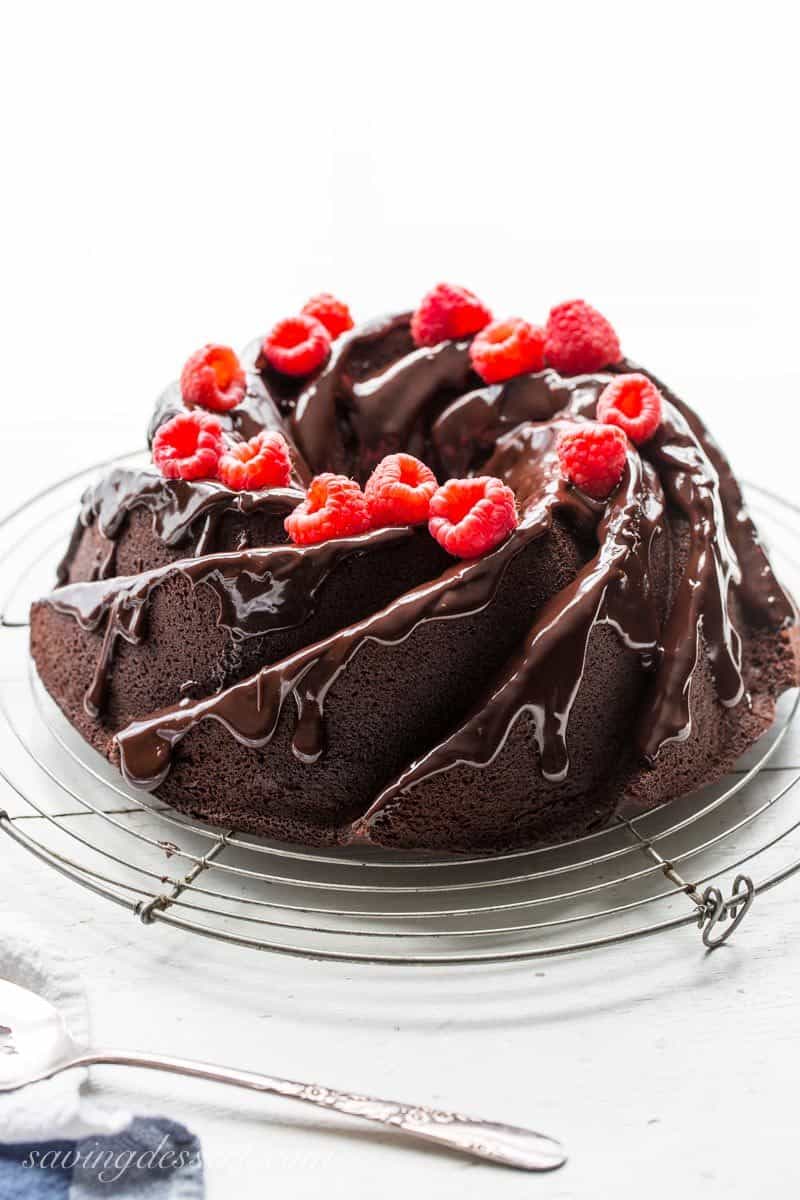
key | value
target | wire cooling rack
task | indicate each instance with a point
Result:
(72, 810)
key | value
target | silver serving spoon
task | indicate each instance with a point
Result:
(35, 1045)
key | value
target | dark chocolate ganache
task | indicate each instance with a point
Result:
(377, 394)
(181, 511)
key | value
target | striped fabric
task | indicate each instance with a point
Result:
(151, 1159)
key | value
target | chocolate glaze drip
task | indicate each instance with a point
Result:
(258, 591)
(757, 589)
(701, 604)
(178, 508)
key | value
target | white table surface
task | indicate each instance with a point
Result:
(666, 1070)
(193, 173)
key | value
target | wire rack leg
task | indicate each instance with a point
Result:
(145, 909)
(710, 905)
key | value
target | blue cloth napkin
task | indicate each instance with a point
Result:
(150, 1159)
(56, 1141)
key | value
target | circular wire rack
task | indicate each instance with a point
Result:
(663, 870)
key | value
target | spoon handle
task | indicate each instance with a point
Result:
(507, 1144)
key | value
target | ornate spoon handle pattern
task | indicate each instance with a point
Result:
(509, 1145)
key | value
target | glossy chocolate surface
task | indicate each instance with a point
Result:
(181, 511)
(376, 394)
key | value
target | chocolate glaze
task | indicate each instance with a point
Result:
(378, 393)
(367, 404)
(544, 679)
(283, 390)
(180, 509)
(250, 710)
(757, 589)
(314, 420)
(544, 676)
(701, 604)
(258, 591)
(467, 430)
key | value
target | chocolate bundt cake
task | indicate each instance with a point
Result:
(435, 583)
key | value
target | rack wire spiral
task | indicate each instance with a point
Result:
(73, 811)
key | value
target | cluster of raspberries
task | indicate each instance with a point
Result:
(575, 338)
(592, 455)
(301, 345)
(194, 446)
(467, 516)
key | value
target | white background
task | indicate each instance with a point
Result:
(179, 173)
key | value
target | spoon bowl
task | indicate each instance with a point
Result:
(33, 1037)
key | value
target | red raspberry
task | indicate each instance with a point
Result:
(448, 311)
(262, 462)
(335, 506)
(634, 403)
(189, 446)
(213, 378)
(507, 348)
(592, 456)
(579, 339)
(330, 312)
(399, 491)
(469, 517)
(297, 345)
